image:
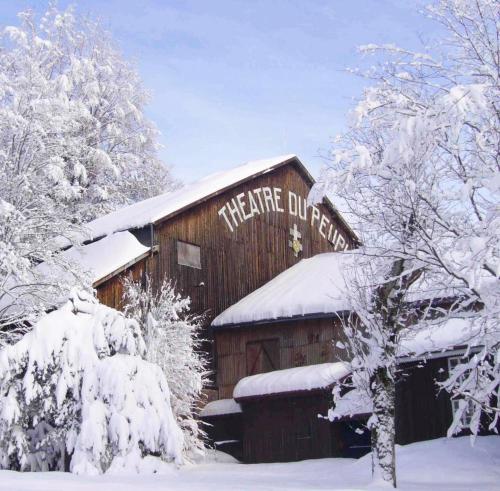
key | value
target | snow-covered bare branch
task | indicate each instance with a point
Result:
(74, 144)
(173, 341)
(419, 174)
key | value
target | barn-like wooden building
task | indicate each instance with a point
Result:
(260, 264)
(279, 353)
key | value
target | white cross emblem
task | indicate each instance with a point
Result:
(294, 242)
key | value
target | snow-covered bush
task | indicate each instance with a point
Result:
(173, 341)
(74, 143)
(76, 394)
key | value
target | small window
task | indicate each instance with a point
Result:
(188, 255)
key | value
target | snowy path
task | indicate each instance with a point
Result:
(441, 465)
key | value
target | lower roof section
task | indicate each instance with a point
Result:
(221, 407)
(96, 262)
(290, 380)
(313, 286)
(107, 256)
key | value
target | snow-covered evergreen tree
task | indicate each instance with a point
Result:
(173, 341)
(422, 151)
(74, 143)
(76, 394)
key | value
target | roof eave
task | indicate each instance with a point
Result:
(119, 270)
(299, 317)
(232, 185)
(284, 395)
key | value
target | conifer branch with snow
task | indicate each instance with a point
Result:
(76, 394)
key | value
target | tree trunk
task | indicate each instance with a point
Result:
(383, 427)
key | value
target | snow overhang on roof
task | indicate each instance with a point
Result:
(312, 287)
(221, 407)
(99, 260)
(290, 380)
(439, 338)
(108, 256)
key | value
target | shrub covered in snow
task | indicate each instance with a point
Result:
(76, 394)
(173, 342)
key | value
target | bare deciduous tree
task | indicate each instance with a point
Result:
(74, 144)
(423, 150)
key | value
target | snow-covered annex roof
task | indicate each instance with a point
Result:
(440, 337)
(99, 260)
(296, 379)
(165, 205)
(315, 287)
(107, 256)
(312, 286)
(221, 407)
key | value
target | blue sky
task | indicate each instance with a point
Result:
(238, 80)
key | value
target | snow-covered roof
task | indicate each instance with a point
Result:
(107, 255)
(159, 207)
(220, 408)
(97, 260)
(451, 333)
(312, 286)
(291, 380)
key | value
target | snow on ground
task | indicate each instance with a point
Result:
(441, 465)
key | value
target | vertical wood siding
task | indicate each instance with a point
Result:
(422, 412)
(233, 264)
(288, 429)
(301, 342)
(111, 292)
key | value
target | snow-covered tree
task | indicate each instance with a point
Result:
(380, 310)
(74, 142)
(423, 152)
(76, 394)
(173, 341)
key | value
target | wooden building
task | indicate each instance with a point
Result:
(258, 263)
(218, 239)
(279, 356)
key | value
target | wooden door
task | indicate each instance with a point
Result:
(262, 356)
